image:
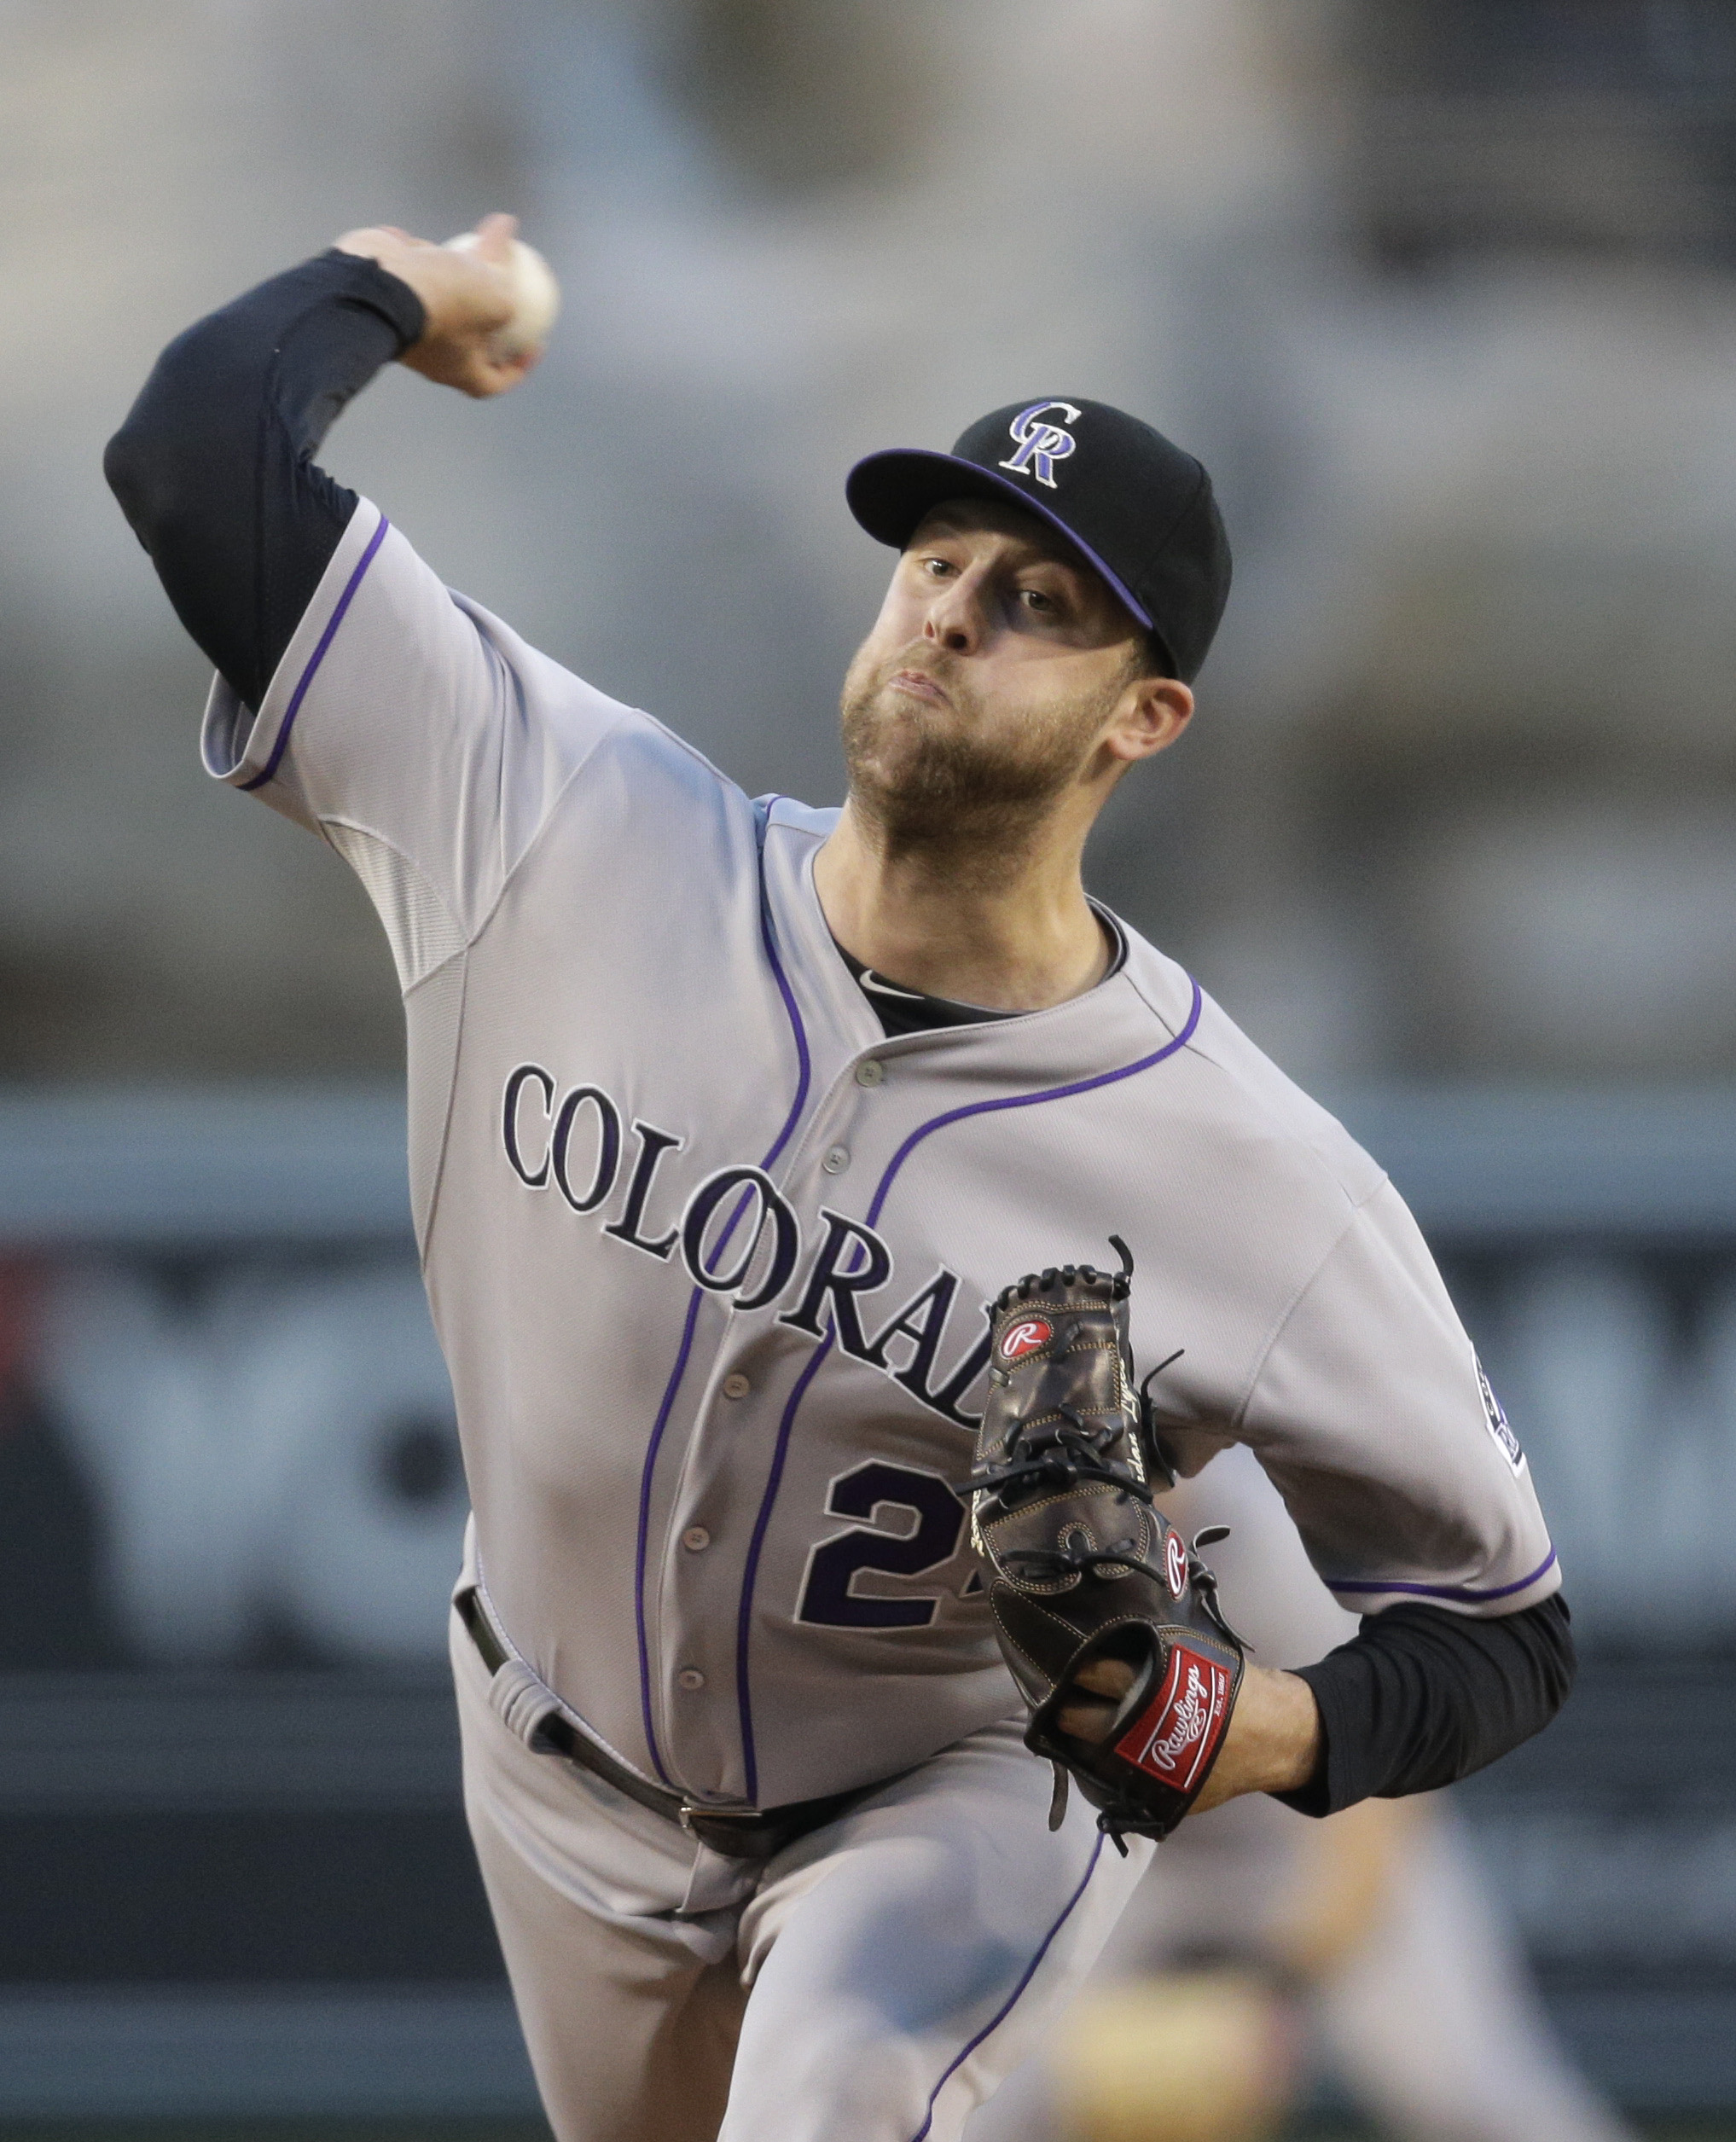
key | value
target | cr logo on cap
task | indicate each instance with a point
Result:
(1041, 445)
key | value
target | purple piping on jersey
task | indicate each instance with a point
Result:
(805, 1071)
(1007, 2005)
(1469, 1594)
(645, 1478)
(318, 656)
(749, 1762)
(804, 1062)
(1030, 1101)
(898, 1160)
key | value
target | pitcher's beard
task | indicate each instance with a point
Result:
(932, 779)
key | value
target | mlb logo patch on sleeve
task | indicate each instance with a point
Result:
(1506, 1440)
(1173, 1741)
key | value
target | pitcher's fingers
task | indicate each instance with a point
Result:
(494, 237)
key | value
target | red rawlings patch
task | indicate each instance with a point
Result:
(1028, 1336)
(1174, 1738)
(1175, 1565)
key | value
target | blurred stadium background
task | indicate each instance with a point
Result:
(1444, 292)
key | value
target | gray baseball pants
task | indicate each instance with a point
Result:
(876, 1979)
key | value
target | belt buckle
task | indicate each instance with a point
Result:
(693, 1811)
(749, 1824)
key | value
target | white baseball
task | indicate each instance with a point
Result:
(536, 297)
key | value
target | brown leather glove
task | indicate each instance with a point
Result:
(1109, 1622)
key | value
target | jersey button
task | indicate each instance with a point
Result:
(691, 1677)
(736, 1386)
(696, 1539)
(837, 1160)
(871, 1073)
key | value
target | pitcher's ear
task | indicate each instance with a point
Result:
(1152, 714)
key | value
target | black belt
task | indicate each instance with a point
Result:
(754, 1833)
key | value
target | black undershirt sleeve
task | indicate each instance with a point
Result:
(1419, 1698)
(214, 465)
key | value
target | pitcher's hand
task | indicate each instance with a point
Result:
(1273, 1740)
(467, 296)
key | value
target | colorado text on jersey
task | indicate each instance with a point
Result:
(544, 1139)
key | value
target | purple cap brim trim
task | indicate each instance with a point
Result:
(985, 483)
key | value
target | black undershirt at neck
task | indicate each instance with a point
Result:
(904, 1011)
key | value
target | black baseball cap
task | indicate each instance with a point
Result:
(1132, 504)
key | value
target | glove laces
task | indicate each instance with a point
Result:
(1056, 1452)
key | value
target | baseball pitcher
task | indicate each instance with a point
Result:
(838, 1227)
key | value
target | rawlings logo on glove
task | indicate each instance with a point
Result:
(1177, 1739)
(1025, 1337)
(1110, 1626)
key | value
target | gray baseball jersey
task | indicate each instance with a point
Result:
(707, 1252)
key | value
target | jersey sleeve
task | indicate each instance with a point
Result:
(419, 735)
(1373, 1418)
